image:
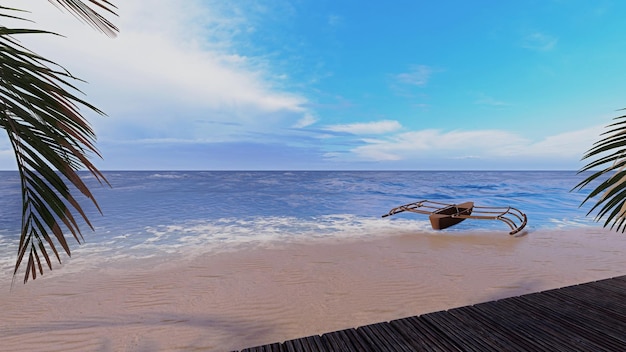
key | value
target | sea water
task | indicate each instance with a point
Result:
(148, 213)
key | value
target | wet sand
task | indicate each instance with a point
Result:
(254, 296)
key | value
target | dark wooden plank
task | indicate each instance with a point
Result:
(512, 331)
(565, 328)
(598, 301)
(595, 304)
(585, 317)
(293, 346)
(616, 296)
(383, 337)
(610, 287)
(305, 344)
(526, 324)
(621, 279)
(344, 341)
(581, 338)
(274, 347)
(618, 280)
(496, 332)
(317, 342)
(461, 332)
(582, 320)
(423, 335)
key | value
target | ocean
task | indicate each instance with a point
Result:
(150, 213)
(146, 212)
(220, 261)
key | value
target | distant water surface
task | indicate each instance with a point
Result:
(147, 212)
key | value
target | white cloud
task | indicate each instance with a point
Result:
(417, 75)
(177, 74)
(477, 144)
(453, 143)
(307, 120)
(571, 144)
(539, 41)
(173, 63)
(377, 127)
(484, 99)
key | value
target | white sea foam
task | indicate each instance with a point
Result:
(167, 175)
(151, 213)
(569, 223)
(231, 234)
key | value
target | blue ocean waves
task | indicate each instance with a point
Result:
(153, 210)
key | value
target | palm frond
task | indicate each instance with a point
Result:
(52, 141)
(4, 12)
(610, 154)
(86, 13)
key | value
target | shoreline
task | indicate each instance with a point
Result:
(232, 300)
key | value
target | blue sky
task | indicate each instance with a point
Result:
(316, 84)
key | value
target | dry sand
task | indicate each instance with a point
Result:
(226, 301)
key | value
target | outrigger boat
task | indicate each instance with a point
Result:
(444, 215)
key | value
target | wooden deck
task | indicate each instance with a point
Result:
(586, 317)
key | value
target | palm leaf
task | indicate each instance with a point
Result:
(51, 138)
(610, 156)
(89, 15)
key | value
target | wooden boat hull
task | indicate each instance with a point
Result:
(449, 216)
(444, 215)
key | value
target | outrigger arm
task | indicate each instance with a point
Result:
(444, 215)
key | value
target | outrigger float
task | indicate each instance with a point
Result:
(444, 215)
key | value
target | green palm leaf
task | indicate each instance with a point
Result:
(51, 138)
(610, 156)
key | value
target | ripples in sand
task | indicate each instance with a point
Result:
(225, 301)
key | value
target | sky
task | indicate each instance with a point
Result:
(343, 84)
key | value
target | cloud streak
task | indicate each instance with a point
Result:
(484, 99)
(186, 77)
(417, 76)
(539, 41)
(172, 64)
(366, 128)
(473, 145)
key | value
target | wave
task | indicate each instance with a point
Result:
(147, 212)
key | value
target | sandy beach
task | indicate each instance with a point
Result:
(279, 291)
